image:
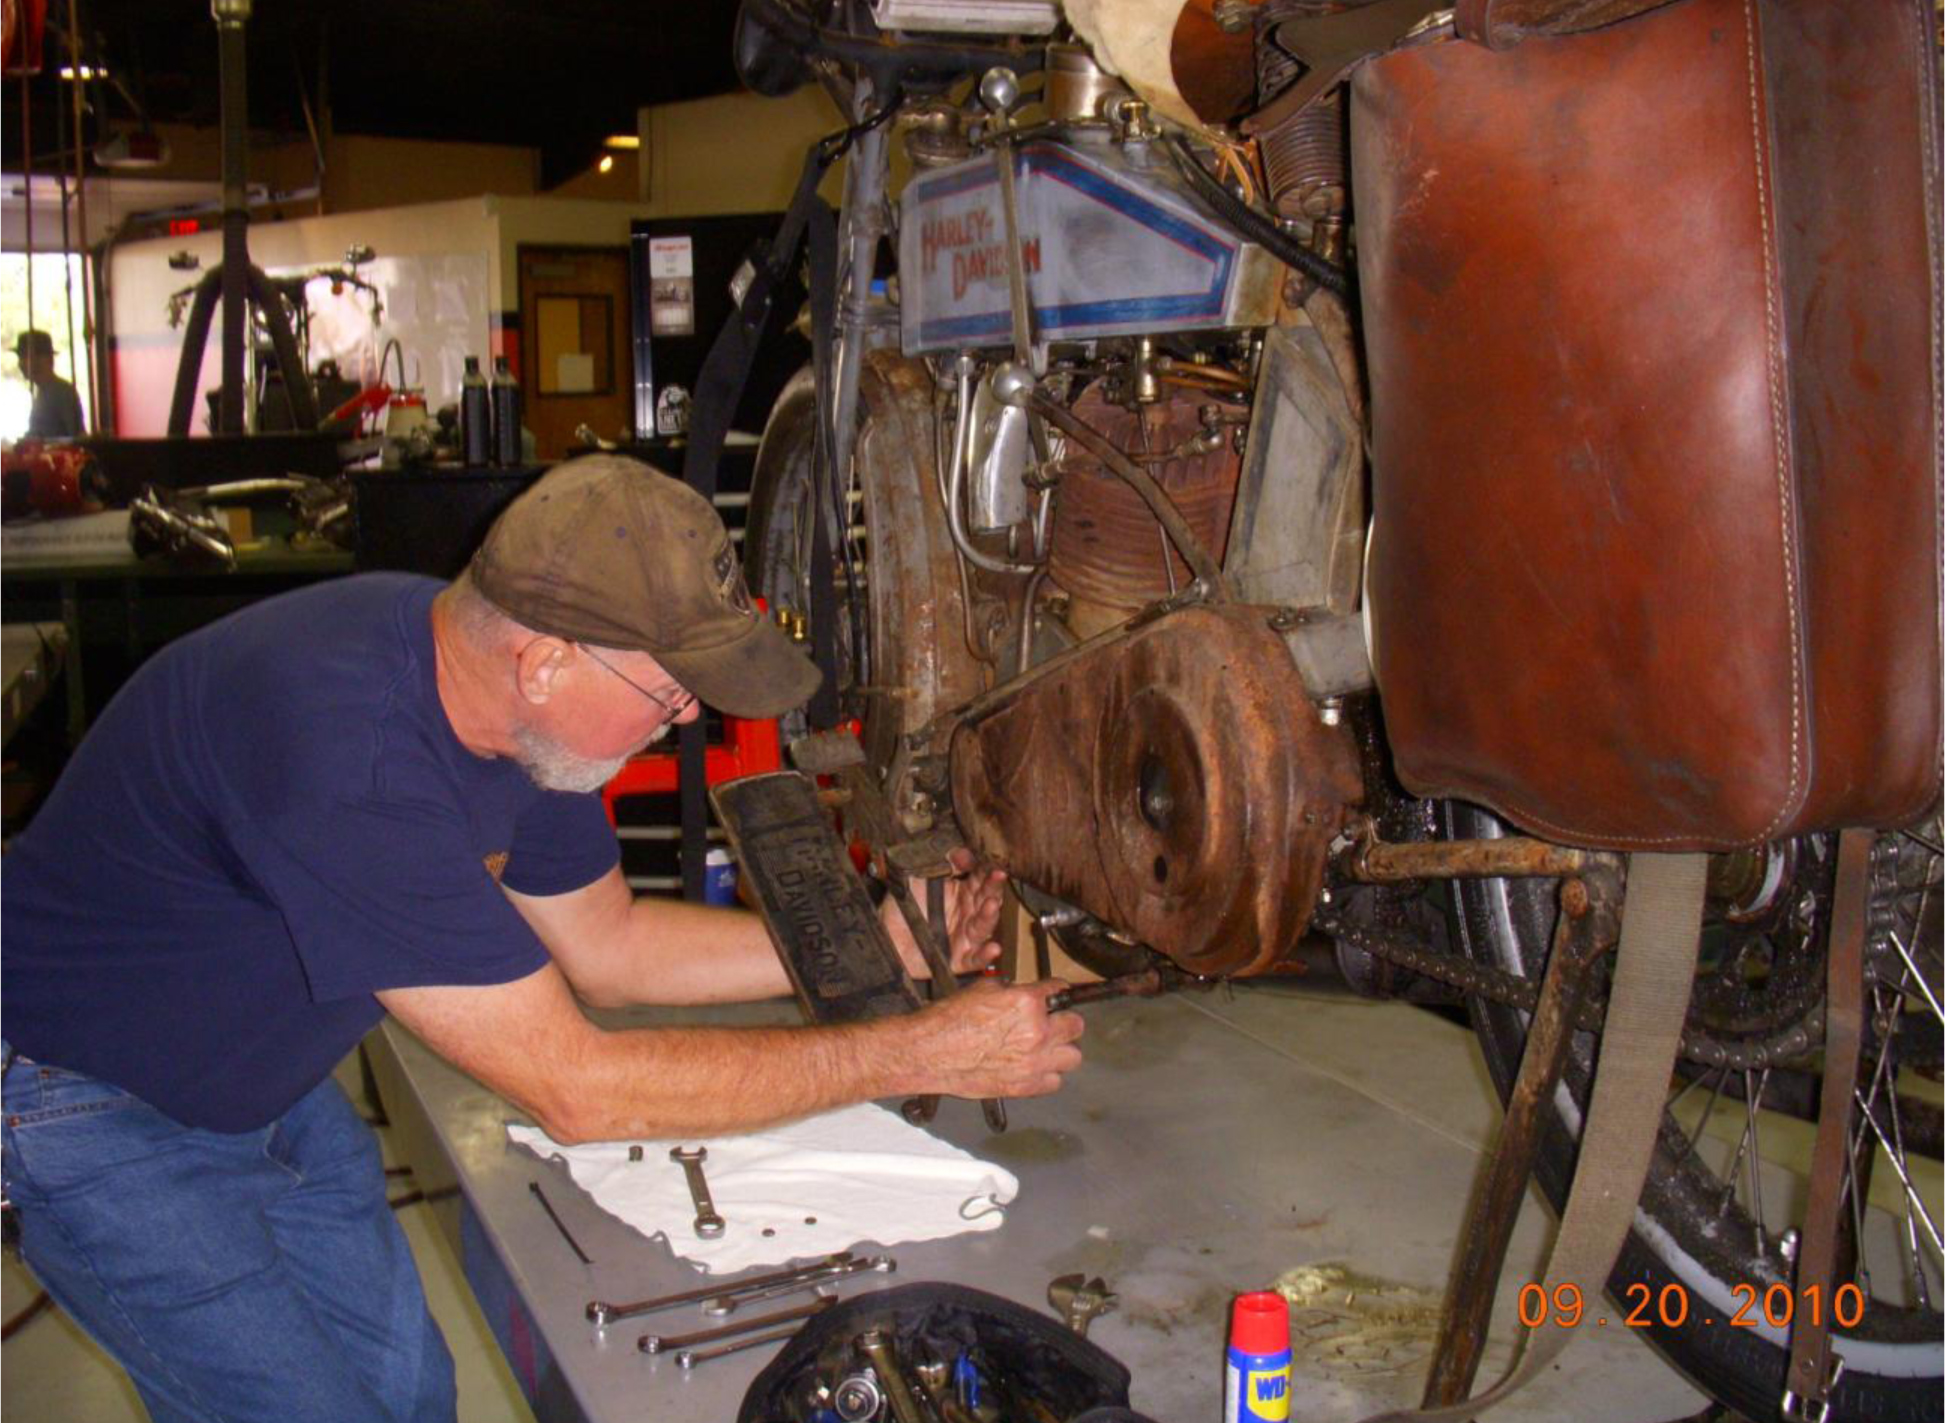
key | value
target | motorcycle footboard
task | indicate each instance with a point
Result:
(824, 926)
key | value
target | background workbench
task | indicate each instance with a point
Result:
(1207, 1145)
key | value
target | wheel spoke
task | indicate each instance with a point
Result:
(1912, 1199)
(1681, 1093)
(1734, 1173)
(1751, 1099)
(1918, 978)
(1721, 1081)
(1910, 1225)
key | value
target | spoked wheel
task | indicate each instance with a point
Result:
(1727, 1186)
(901, 651)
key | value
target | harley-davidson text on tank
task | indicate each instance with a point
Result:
(1108, 245)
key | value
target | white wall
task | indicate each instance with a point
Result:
(435, 261)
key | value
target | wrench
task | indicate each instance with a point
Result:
(601, 1313)
(836, 1270)
(709, 1225)
(668, 1343)
(689, 1358)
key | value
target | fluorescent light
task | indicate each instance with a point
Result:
(607, 163)
(622, 140)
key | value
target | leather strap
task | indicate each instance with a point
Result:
(1808, 1384)
(1654, 971)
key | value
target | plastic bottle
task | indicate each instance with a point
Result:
(718, 878)
(475, 435)
(1256, 1385)
(506, 415)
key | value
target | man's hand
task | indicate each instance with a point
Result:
(972, 912)
(991, 1041)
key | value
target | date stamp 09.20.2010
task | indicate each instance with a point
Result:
(1670, 1307)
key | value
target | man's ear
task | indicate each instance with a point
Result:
(539, 667)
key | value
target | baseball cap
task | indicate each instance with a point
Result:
(606, 550)
(37, 341)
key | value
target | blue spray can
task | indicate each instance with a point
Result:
(1256, 1385)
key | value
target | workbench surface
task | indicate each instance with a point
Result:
(1208, 1145)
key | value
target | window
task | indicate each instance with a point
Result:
(575, 344)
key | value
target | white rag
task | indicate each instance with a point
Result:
(815, 1186)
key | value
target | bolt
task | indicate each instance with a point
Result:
(1232, 17)
(999, 90)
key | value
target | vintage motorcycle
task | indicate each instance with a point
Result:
(1309, 472)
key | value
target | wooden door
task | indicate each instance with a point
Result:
(577, 366)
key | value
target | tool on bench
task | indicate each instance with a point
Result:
(689, 1358)
(1078, 1299)
(730, 1303)
(548, 1206)
(669, 1343)
(844, 1262)
(709, 1225)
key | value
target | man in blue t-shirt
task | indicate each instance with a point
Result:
(373, 796)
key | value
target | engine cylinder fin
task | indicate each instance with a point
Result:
(1107, 552)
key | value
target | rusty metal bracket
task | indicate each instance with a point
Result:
(1813, 1367)
(1376, 861)
(1589, 927)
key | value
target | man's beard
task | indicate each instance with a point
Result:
(553, 767)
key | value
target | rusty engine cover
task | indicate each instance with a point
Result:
(1175, 783)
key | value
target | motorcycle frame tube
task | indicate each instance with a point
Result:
(860, 224)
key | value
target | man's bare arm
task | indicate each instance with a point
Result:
(528, 1041)
(618, 950)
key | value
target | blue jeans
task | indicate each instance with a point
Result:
(248, 1276)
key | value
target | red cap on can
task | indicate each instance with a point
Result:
(1259, 1323)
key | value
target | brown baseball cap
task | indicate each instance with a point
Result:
(608, 551)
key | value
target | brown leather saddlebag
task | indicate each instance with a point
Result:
(1652, 322)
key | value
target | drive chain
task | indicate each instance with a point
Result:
(1523, 993)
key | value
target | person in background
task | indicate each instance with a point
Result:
(57, 405)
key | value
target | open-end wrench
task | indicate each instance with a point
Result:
(730, 1303)
(668, 1343)
(689, 1358)
(709, 1225)
(601, 1313)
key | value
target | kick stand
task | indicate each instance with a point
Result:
(1588, 927)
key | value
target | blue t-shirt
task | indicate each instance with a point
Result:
(271, 822)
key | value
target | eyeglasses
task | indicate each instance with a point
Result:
(684, 698)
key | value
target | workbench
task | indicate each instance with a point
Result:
(106, 597)
(1208, 1144)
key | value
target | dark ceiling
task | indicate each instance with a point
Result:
(556, 75)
